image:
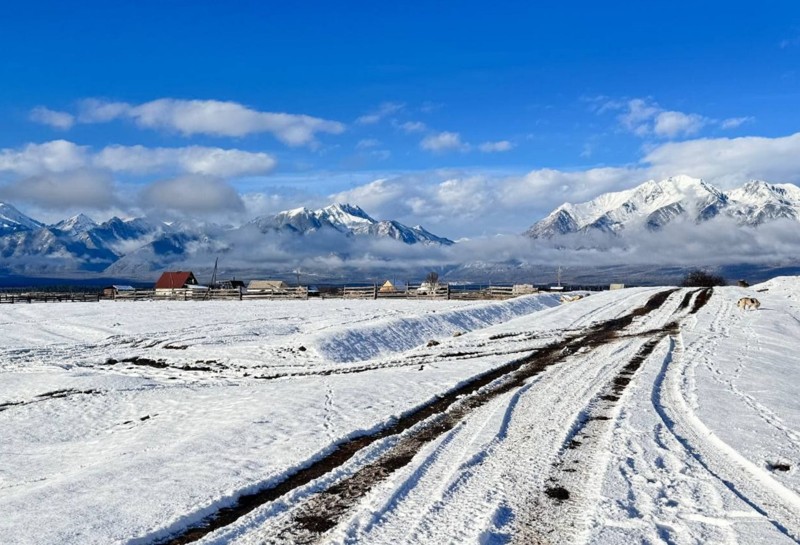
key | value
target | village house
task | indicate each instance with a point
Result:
(267, 286)
(175, 280)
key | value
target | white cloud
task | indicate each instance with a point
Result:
(94, 110)
(211, 117)
(192, 159)
(374, 195)
(729, 161)
(53, 118)
(638, 115)
(78, 188)
(644, 117)
(672, 124)
(542, 190)
(411, 127)
(384, 110)
(491, 147)
(734, 122)
(54, 156)
(443, 141)
(63, 156)
(193, 195)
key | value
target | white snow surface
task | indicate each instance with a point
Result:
(98, 450)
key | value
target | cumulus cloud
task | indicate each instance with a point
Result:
(210, 117)
(637, 116)
(644, 117)
(53, 118)
(54, 156)
(193, 195)
(192, 159)
(78, 188)
(499, 146)
(729, 161)
(374, 195)
(63, 156)
(672, 124)
(443, 141)
(384, 110)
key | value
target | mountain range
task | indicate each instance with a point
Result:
(137, 247)
(653, 205)
(342, 239)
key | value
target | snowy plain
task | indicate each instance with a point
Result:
(130, 422)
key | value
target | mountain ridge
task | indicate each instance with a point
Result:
(652, 205)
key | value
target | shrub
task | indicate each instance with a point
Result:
(701, 279)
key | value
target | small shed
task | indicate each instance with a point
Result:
(267, 286)
(114, 290)
(387, 287)
(616, 286)
(176, 280)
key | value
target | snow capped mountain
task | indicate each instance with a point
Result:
(653, 205)
(12, 220)
(76, 224)
(760, 202)
(346, 219)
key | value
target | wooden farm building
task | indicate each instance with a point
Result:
(111, 292)
(267, 286)
(176, 280)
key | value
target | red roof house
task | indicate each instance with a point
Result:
(176, 280)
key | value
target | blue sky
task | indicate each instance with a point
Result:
(467, 117)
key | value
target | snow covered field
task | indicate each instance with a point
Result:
(650, 415)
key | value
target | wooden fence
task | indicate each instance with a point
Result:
(297, 292)
(47, 297)
(368, 292)
(424, 292)
(436, 292)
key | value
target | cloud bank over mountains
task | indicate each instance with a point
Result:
(678, 222)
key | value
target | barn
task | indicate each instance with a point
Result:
(175, 280)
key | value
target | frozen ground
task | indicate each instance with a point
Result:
(638, 416)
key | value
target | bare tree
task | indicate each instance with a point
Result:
(432, 278)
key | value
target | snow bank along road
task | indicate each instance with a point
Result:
(656, 415)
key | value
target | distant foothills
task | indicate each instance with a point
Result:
(633, 234)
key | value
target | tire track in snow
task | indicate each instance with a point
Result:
(321, 512)
(559, 510)
(753, 485)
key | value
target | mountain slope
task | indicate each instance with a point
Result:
(12, 220)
